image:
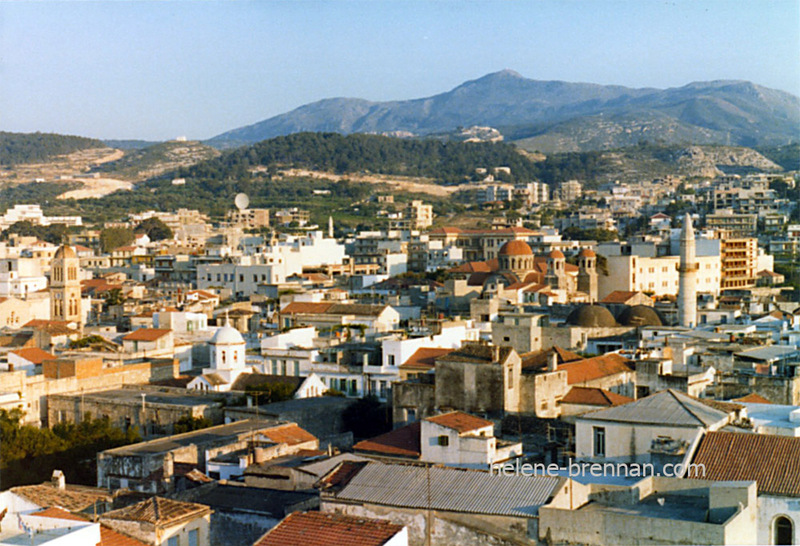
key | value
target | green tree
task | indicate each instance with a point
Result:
(115, 237)
(155, 229)
(268, 393)
(188, 423)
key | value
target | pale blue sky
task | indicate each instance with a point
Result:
(157, 70)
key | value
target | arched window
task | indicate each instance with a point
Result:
(223, 356)
(783, 531)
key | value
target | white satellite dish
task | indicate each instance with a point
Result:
(241, 201)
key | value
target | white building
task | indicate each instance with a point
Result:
(228, 361)
(461, 439)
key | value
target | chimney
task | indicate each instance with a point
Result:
(552, 361)
(58, 480)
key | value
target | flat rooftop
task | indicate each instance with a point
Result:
(218, 434)
(152, 396)
(676, 506)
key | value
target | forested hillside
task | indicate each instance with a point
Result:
(445, 162)
(17, 148)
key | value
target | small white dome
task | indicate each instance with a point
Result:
(227, 335)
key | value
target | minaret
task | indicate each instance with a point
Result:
(330, 227)
(687, 277)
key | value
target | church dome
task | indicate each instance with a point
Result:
(515, 248)
(586, 253)
(591, 316)
(227, 335)
(65, 252)
(556, 255)
(640, 315)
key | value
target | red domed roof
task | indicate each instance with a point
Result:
(586, 253)
(515, 248)
(556, 254)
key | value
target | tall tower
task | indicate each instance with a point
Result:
(687, 277)
(65, 286)
(587, 273)
(330, 227)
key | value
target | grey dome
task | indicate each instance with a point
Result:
(640, 315)
(591, 316)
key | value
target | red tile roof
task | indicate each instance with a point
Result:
(401, 442)
(753, 398)
(73, 498)
(290, 434)
(306, 307)
(34, 354)
(323, 529)
(52, 327)
(147, 334)
(590, 369)
(58, 513)
(591, 396)
(534, 361)
(424, 358)
(772, 461)
(459, 421)
(619, 296)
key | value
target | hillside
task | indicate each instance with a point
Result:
(21, 148)
(554, 116)
(154, 160)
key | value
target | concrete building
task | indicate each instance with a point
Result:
(153, 466)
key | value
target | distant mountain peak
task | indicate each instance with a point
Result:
(722, 112)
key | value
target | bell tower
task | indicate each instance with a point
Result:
(65, 286)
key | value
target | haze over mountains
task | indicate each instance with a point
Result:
(558, 116)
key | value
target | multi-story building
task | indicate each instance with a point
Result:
(739, 263)
(250, 218)
(738, 225)
(570, 190)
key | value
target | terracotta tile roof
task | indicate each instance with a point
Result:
(52, 327)
(424, 358)
(324, 529)
(108, 537)
(472, 267)
(306, 307)
(752, 398)
(58, 513)
(72, 498)
(147, 334)
(459, 421)
(401, 442)
(619, 296)
(591, 396)
(290, 434)
(158, 511)
(202, 294)
(590, 369)
(772, 461)
(536, 360)
(34, 354)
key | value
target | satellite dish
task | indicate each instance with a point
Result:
(241, 201)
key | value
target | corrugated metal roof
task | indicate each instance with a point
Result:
(451, 489)
(666, 408)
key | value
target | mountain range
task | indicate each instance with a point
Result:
(558, 116)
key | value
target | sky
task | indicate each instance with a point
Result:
(157, 70)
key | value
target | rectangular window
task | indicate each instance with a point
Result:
(194, 538)
(444, 441)
(391, 360)
(172, 541)
(599, 441)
